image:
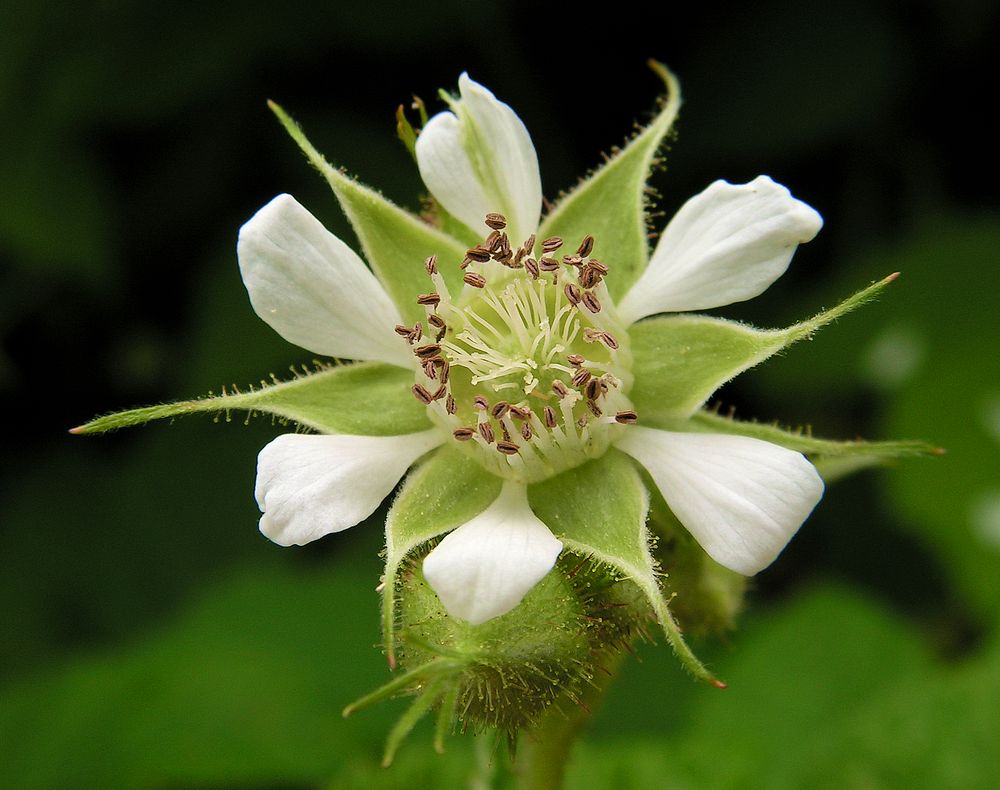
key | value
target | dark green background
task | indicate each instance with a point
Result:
(152, 638)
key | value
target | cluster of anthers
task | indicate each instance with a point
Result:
(529, 366)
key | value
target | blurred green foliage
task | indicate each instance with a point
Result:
(149, 637)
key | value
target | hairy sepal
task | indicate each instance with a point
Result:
(443, 493)
(611, 203)
(680, 360)
(611, 530)
(394, 241)
(364, 398)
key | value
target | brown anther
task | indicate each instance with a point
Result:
(431, 264)
(531, 267)
(594, 408)
(500, 408)
(463, 434)
(585, 246)
(593, 390)
(416, 333)
(591, 302)
(475, 280)
(436, 320)
(627, 417)
(547, 264)
(450, 406)
(428, 351)
(480, 402)
(575, 360)
(581, 377)
(507, 448)
(526, 431)
(504, 246)
(609, 340)
(465, 262)
(573, 293)
(602, 269)
(505, 432)
(550, 417)
(479, 253)
(518, 257)
(486, 431)
(572, 260)
(519, 413)
(421, 394)
(402, 331)
(560, 389)
(496, 221)
(492, 242)
(590, 334)
(432, 299)
(589, 277)
(551, 244)
(445, 371)
(529, 244)
(440, 392)
(430, 370)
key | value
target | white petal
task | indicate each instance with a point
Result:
(741, 498)
(313, 290)
(482, 160)
(725, 245)
(309, 486)
(485, 567)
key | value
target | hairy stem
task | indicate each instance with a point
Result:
(544, 750)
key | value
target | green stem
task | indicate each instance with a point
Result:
(544, 750)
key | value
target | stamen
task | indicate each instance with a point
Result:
(508, 448)
(585, 246)
(475, 280)
(428, 351)
(486, 431)
(591, 302)
(479, 254)
(496, 221)
(463, 434)
(551, 244)
(573, 294)
(500, 408)
(531, 266)
(550, 417)
(450, 406)
(431, 264)
(421, 394)
(547, 264)
(560, 389)
(627, 417)
(431, 299)
(581, 377)
(575, 360)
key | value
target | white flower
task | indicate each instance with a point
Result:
(528, 368)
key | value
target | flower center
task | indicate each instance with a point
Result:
(528, 368)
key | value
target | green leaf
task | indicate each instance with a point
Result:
(443, 493)
(611, 203)
(599, 510)
(394, 241)
(680, 360)
(365, 398)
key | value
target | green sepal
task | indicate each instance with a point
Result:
(364, 398)
(611, 203)
(680, 360)
(394, 241)
(611, 529)
(405, 131)
(446, 491)
(420, 706)
(834, 459)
